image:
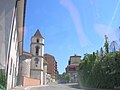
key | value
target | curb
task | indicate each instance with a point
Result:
(29, 87)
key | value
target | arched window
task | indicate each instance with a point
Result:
(37, 40)
(37, 50)
(36, 60)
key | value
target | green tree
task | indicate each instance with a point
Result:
(65, 77)
(100, 71)
(101, 52)
(103, 73)
(106, 45)
(3, 80)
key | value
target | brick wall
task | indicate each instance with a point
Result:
(27, 81)
(51, 64)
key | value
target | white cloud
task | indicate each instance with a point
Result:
(83, 39)
(102, 30)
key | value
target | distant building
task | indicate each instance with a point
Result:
(73, 66)
(52, 66)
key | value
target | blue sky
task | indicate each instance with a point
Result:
(71, 26)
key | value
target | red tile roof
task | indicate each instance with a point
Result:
(27, 54)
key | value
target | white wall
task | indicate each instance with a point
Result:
(8, 40)
(9, 51)
(26, 67)
(40, 64)
(13, 59)
(34, 44)
(34, 39)
(6, 12)
(75, 60)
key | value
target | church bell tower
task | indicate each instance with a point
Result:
(37, 51)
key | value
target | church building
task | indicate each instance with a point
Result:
(33, 66)
(37, 51)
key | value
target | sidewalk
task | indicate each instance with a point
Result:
(20, 88)
(26, 87)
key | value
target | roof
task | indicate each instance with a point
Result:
(38, 34)
(46, 54)
(51, 57)
(27, 54)
(75, 56)
(73, 65)
(21, 8)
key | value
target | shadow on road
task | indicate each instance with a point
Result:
(76, 86)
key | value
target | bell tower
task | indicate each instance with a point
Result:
(37, 51)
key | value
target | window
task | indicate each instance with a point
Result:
(36, 60)
(37, 50)
(37, 40)
(72, 69)
(11, 66)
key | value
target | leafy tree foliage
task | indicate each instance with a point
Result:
(101, 70)
(65, 77)
(101, 51)
(3, 80)
(102, 73)
(106, 45)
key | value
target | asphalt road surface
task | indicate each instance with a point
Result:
(70, 86)
(55, 86)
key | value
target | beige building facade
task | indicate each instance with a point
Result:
(72, 67)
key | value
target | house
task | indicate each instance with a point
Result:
(52, 67)
(12, 14)
(72, 67)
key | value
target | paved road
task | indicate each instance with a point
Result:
(55, 86)
(58, 87)
(71, 86)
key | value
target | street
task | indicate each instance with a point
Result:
(54, 86)
(70, 86)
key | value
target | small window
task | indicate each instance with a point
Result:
(36, 60)
(37, 40)
(37, 50)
